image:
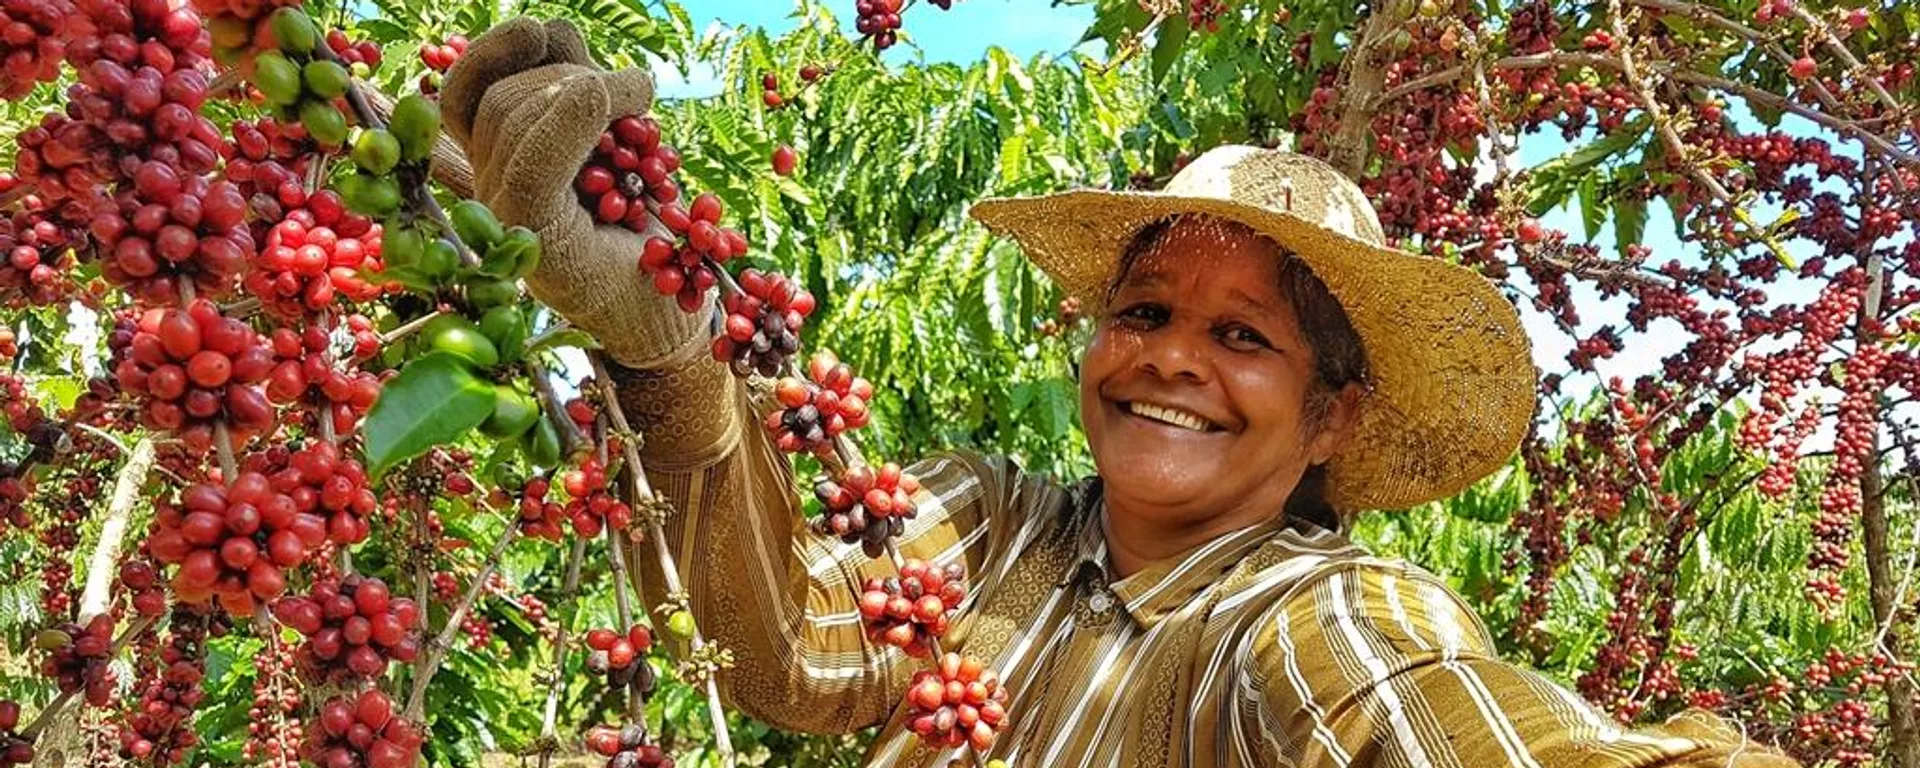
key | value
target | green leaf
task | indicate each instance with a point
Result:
(1591, 215)
(1629, 221)
(433, 401)
(1168, 44)
(571, 337)
(1549, 183)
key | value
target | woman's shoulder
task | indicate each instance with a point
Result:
(1313, 588)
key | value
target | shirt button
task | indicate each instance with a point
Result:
(1100, 602)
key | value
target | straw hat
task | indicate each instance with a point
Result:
(1453, 378)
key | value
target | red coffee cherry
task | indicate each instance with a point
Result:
(233, 543)
(912, 610)
(353, 630)
(958, 702)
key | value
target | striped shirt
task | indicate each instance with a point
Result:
(1272, 645)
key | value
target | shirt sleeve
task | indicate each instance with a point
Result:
(781, 599)
(1373, 663)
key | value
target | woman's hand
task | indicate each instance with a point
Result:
(528, 104)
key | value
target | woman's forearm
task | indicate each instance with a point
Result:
(780, 599)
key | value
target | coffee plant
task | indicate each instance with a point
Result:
(307, 478)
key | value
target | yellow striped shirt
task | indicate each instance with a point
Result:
(1269, 646)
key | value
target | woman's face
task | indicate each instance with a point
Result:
(1194, 390)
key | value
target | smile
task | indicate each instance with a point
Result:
(1167, 415)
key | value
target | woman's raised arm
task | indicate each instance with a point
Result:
(782, 599)
(529, 105)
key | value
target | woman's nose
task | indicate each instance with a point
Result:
(1175, 354)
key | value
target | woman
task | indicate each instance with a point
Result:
(1262, 369)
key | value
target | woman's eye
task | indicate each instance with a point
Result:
(1143, 315)
(1242, 337)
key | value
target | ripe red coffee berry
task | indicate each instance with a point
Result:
(353, 629)
(784, 160)
(912, 611)
(959, 702)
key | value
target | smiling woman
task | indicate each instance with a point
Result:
(1242, 351)
(1263, 368)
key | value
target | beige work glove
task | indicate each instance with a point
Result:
(528, 104)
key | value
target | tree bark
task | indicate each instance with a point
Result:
(1362, 76)
(103, 567)
(1903, 743)
(1903, 746)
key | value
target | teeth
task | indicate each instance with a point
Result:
(1169, 416)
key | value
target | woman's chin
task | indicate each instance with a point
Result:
(1157, 481)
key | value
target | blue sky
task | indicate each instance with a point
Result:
(963, 34)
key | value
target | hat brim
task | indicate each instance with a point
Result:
(1452, 370)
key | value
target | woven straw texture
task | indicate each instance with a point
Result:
(1452, 373)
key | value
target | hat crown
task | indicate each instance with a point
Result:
(1285, 182)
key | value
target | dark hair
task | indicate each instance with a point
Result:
(1338, 357)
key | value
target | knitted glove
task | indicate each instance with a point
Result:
(528, 104)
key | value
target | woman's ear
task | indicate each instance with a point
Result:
(1337, 426)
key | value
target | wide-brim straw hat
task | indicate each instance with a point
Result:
(1452, 375)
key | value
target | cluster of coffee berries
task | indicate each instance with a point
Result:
(365, 53)
(178, 227)
(877, 20)
(234, 543)
(958, 702)
(322, 482)
(33, 35)
(590, 507)
(38, 252)
(440, 58)
(629, 171)
(273, 733)
(13, 749)
(770, 91)
(79, 658)
(866, 505)
(316, 256)
(142, 580)
(622, 658)
(302, 85)
(160, 729)
(194, 366)
(352, 629)
(683, 266)
(15, 487)
(269, 160)
(813, 412)
(911, 611)
(306, 373)
(762, 328)
(362, 732)
(1205, 14)
(627, 748)
(540, 517)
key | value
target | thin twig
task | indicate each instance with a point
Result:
(101, 570)
(436, 651)
(409, 328)
(670, 571)
(549, 735)
(1675, 145)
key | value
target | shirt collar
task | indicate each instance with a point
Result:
(1165, 585)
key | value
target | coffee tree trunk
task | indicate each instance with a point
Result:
(1903, 745)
